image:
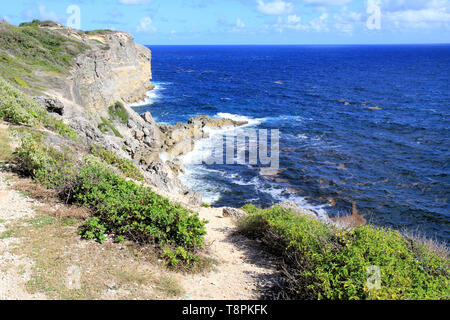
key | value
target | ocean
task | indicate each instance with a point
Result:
(364, 124)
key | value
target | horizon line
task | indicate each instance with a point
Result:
(321, 44)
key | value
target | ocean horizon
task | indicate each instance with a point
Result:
(364, 124)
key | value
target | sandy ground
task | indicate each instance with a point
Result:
(15, 270)
(242, 271)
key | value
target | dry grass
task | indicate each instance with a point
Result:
(353, 221)
(434, 245)
(54, 207)
(169, 286)
(107, 271)
(34, 190)
(5, 143)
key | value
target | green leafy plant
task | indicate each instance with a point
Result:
(106, 126)
(127, 167)
(46, 165)
(118, 111)
(18, 108)
(121, 207)
(323, 262)
(92, 229)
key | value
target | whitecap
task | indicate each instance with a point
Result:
(237, 117)
(151, 96)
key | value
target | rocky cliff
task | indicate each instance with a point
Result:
(87, 79)
(117, 69)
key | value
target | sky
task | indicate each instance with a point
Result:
(211, 22)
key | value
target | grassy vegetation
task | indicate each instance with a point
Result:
(105, 271)
(107, 127)
(5, 149)
(127, 167)
(34, 47)
(323, 262)
(121, 208)
(99, 32)
(18, 108)
(118, 111)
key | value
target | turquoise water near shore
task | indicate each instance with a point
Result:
(357, 123)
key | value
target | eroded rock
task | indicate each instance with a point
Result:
(52, 105)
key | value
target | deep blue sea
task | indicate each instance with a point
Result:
(364, 124)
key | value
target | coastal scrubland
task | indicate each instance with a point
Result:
(321, 261)
(317, 259)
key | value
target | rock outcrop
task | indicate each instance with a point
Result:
(180, 138)
(51, 104)
(117, 70)
(113, 69)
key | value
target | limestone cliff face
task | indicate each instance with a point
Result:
(116, 69)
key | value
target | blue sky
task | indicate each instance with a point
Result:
(155, 22)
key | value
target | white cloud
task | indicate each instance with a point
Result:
(416, 13)
(134, 1)
(146, 25)
(291, 19)
(48, 15)
(277, 7)
(293, 22)
(240, 23)
(328, 2)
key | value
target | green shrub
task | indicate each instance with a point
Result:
(18, 108)
(136, 212)
(47, 49)
(323, 262)
(92, 229)
(126, 166)
(118, 111)
(122, 208)
(46, 165)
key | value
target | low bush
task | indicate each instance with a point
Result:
(127, 167)
(323, 262)
(118, 111)
(18, 108)
(121, 208)
(134, 211)
(44, 164)
(47, 49)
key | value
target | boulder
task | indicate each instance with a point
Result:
(206, 121)
(139, 134)
(131, 124)
(147, 116)
(176, 165)
(50, 104)
(233, 212)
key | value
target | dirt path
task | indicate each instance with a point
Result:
(243, 271)
(15, 270)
